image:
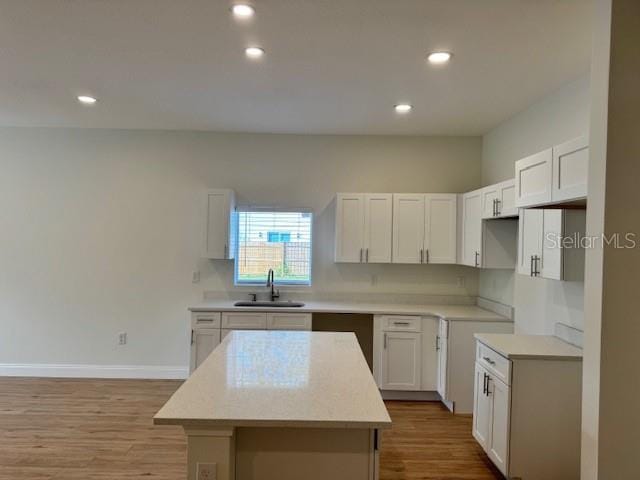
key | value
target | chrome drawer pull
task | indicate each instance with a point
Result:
(401, 323)
(488, 360)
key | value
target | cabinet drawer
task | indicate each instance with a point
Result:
(401, 323)
(289, 321)
(244, 320)
(205, 320)
(494, 363)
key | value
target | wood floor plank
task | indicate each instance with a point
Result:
(73, 429)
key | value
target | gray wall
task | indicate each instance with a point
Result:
(539, 304)
(101, 229)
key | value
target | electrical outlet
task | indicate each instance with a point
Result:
(207, 471)
(122, 338)
(195, 278)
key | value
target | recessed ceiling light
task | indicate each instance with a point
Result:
(254, 52)
(438, 58)
(242, 10)
(403, 108)
(87, 100)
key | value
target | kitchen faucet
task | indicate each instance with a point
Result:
(271, 283)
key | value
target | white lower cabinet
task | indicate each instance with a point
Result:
(208, 329)
(455, 360)
(401, 361)
(205, 336)
(526, 414)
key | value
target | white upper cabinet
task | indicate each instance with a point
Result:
(378, 224)
(219, 228)
(486, 243)
(471, 228)
(363, 227)
(440, 235)
(499, 200)
(545, 246)
(408, 228)
(424, 228)
(533, 179)
(555, 175)
(570, 168)
(349, 227)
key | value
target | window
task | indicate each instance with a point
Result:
(278, 240)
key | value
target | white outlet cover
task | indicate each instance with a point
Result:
(207, 471)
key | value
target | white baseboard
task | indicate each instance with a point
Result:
(93, 371)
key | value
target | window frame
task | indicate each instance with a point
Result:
(292, 284)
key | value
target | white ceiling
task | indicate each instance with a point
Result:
(332, 66)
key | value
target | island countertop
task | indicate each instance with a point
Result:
(447, 312)
(280, 379)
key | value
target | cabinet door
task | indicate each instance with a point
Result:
(481, 409)
(506, 204)
(349, 227)
(219, 206)
(533, 179)
(442, 346)
(401, 359)
(440, 228)
(498, 451)
(550, 263)
(530, 235)
(378, 226)
(203, 341)
(408, 228)
(288, 321)
(429, 357)
(489, 196)
(472, 228)
(570, 168)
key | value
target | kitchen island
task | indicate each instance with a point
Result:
(281, 405)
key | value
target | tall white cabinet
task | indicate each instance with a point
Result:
(424, 228)
(363, 227)
(219, 224)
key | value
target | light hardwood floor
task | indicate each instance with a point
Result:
(59, 429)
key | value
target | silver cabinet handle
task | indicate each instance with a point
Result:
(437, 342)
(385, 341)
(488, 360)
(421, 256)
(225, 251)
(401, 323)
(536, 260)
(367, 256)
(531, 267)
(498, 202)
(476, 262)
(360, 255)
(426, 254)
(484, 384)
(494, 207)
(192, 336)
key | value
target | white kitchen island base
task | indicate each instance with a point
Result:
(281, 405)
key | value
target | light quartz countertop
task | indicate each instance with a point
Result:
(447, 312)
(280, 379)
(544, 347)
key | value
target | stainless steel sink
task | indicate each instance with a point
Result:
(269, 304)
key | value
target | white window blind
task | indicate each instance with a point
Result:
(273, 239)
